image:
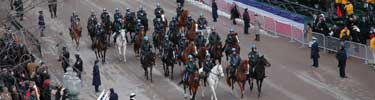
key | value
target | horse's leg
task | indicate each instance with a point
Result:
(260, 87)
(185, 95)
(146, 71)
(242, 87)
(252, 84)
(164, 69)
(172, 67)
(124, 53)
(151, 73)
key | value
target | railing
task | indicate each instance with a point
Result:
(353, 49)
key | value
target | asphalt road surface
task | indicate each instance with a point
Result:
(290, 77)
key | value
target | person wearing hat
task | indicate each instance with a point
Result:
(18, 4)
(105, 16)
(253, 56)
(73, 18)
(189, 23)
(214, 9)
(202, 22)
(341, 57)
(113, 95)
(41, 23)
(191, 67)
(229, 39)
(145, 48)
(96, 76)
(234, 62)
(132, 96)
(246, 19)
(315, 52)
(78, 65)
(207, 66)
(142, 15)
(64, 58)
(173, 25)
(93, 18)
(158, 10)
(181, 2)
(234, 13)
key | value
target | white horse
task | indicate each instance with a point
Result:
(213, 79)
(121, 44)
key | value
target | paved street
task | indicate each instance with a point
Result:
(290, 77)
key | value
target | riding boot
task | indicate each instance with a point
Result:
(257, 37)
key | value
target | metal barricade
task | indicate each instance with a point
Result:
(356, 50)
(331, 43)
(320, 38)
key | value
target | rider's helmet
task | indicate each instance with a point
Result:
(166, 37)
(190, 56)
(127, 9)
(231, 30)
(141, 7)
(74, 13)
(158, 19)
(117, 10)
(233, 50)
(201, 15)
(104, 10)
(93, 12)
(158, 5)
(139, 20)
(253, 46)
(145, 38)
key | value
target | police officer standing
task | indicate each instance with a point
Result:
(315, 53)
(41, 23)
(341, 57)
(52, 5)
(78, 65)
(19, 8)
(214, 10)
(246, 19)
(96, 76)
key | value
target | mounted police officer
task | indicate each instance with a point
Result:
(253, 57)
(200, 41)
(138, 26)
(190, 21)
(234, 62)
(173, 24)
(130, 19)
(179, 10)
(158, 11)
(73, 18)
(117, 26)
(191, 68)
(182, 44)
(105, 16)
(208, 64)
(142, 15)
(167, 45)
(213, 38)
(117, 15)
(229, 39)
(145, 48)
(202, 22)
(93, 18)
(99, 34)
(158, 27)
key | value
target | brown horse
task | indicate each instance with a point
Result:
(165, 23)
(129, 26)
(216, 52)
(183, 20)
(157, 41)
(192, 34)
(259, 73)
(191, 49)
(201, 55)
(192, 84)
(108, 31)
(241, 74)
(138, 41)
(100, 49)
(76, 32)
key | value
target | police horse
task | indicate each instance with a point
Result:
(121, 44)
(240, 76)
(148, 62)
(213, 79)
(76, 33)
(258, 73)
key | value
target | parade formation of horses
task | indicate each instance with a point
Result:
(121, 44)
(149, 62)
(138, 41)
(241, 74)
(213, 79)
(258, 73)
(76, 32)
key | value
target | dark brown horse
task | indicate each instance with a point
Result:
(76, 32)
(129, 26)
(91, 31)
(148, 62)
(168, 59)
(192, 84)
(241, 74)
(201, 55)
(138, 41)
(157, 41)
(183, 20)
(259, 73)
(192, 34)
(216, 52)
(100, 48)
(108, 27)
(191, 49)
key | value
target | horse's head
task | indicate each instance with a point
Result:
(264, 61)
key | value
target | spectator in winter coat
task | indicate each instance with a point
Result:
(349, 8)
(344, 34)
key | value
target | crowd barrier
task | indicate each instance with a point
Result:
(353, 49)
